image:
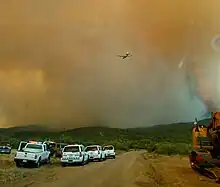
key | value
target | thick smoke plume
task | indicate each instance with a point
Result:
(58, 63)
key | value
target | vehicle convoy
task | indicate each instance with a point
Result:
(34, 153)
(109, 151)
(95, 152)
(74, 154)
(206, 143)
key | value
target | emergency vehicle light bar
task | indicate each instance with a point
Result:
(35, 142)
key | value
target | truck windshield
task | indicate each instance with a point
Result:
(33, 146)
(71, 149)
(4, 147)
(62, 145)
(92, 148)
(108, 148)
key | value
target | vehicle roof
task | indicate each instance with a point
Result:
(94, 145)
(36, 143)
(108, 146)
(49, 142)
(74, 145)
(4, 146)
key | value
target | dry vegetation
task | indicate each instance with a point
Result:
(10, 174)
(169, 171)
(8, 171)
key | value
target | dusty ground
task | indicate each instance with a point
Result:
(132, 169)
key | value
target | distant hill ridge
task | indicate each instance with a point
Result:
(41, 128)
(130, 137)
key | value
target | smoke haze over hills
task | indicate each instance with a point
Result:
(58, 63)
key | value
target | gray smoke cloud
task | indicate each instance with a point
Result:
(58, 63)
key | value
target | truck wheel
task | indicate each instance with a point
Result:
(100, 159)
(48, 160)
(38, 163)
(113, 157)
(18, 164)
(87, 161)
(83, 161)
(63, 164)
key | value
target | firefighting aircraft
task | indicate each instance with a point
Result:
(125, 56)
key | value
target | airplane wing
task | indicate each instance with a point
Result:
(119, 55)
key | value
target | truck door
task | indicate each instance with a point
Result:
(82, 150)
(44, 154)
(21, 145)
(47, 151)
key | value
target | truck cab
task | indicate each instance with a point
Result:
(74, 154)
(109, 151)
(34, 153)
(95, 152)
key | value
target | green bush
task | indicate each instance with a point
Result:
(151, 147)
(172, 149)
(121, 146)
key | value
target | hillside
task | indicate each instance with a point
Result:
(167, 135)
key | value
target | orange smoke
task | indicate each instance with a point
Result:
(59, 66)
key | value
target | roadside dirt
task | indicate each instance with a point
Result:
(131, 169)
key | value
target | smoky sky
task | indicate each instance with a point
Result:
(59, 64)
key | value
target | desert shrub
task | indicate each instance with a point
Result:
(121, 146)
(172, 149)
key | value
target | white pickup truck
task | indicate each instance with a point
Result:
(95, 152)
(109, 151)
(34, 153)
(73, 154)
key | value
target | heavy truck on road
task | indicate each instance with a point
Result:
(205, 157)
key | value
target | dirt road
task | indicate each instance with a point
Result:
(110, 173)
(132, 169)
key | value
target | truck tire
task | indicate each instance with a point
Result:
(37, 165)
(63, 164)
(48, 160)
(104, 157)
(83, 161)
(87, 161)
(100, 159)
(18, 164)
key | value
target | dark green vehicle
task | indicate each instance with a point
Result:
(59, 150)
(55, 148)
